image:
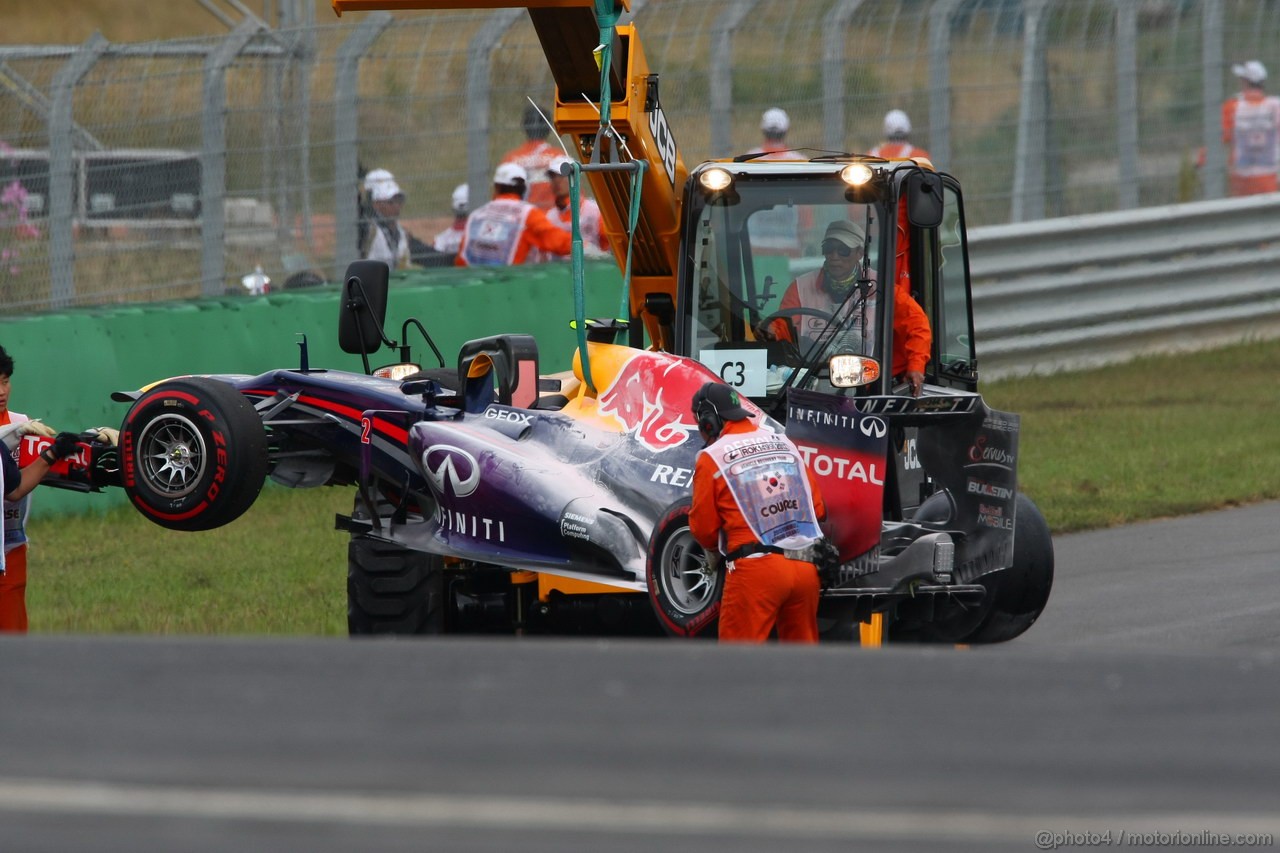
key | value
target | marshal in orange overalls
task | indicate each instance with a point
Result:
(761, 592)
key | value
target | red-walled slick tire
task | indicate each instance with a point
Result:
(193, 454)
(684, 586)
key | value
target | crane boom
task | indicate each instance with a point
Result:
(569, 32)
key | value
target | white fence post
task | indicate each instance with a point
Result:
(213, 159)
(1215, 163)
(835, 28)
(1127, 103)
(346, 135)
(721, 72)
(62, 170)
(1028, 200)
(480, 54)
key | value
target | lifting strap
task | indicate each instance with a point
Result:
(607, 15)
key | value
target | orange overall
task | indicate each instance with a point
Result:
(534, 156)
(761, 592)
(912, 337)
(894, 150)
(13, 592)
(534, 239)
(1264, 122)
(13, 583)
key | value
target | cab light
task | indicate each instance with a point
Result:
(856, 174)
(715, 180)
(851, 371)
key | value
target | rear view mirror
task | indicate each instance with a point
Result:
(924, 199)
(853, 371)
(363, 307)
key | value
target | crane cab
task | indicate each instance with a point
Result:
(759, 303)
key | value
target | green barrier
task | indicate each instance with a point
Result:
(67, 364)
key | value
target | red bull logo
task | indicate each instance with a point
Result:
(650, 397)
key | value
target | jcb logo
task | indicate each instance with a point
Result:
(665, 141)
(910, 461)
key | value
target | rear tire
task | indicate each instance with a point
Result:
(683, 587)
(193, 454)
(392, 590)
(1015, 596)
(1023, 589)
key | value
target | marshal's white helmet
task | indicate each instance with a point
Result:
(775, 120)
(461, 199)
(896, 123)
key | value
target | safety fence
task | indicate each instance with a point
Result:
(134, 172)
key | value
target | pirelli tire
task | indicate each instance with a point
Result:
(1015, 597)
(193, 454)
(684, 584)
(392, 590)
(1021, 592)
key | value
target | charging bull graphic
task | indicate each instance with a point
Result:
(650, 395)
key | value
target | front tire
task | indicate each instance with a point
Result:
(193, 454)
(684, 586)
(392, 590)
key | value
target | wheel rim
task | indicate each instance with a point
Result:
(172, 455)
(686, 577)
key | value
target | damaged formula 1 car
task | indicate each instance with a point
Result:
(491, 498)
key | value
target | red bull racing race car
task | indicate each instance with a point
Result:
(491, 498)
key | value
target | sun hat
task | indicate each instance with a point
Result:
(844, 232)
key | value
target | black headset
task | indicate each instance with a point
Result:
(710, 423)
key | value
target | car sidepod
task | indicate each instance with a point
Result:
(541, 491)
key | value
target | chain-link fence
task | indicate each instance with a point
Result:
(172, 169)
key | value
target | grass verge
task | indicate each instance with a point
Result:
(1156, 437)
(278, 569)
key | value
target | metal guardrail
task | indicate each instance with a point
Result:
(1082, 291)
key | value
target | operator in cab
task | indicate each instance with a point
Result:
(835, 290)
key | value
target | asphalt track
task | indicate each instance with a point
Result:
(1140, 712)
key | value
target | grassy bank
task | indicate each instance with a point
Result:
(1158, 437)
(278, 569)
